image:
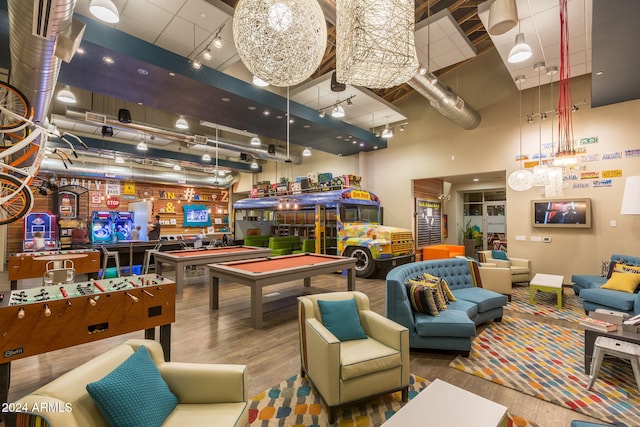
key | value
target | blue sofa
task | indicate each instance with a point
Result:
(587, 287)
(455, 327)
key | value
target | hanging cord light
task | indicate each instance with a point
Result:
(522, 179)
(566, 154)
(540, 171)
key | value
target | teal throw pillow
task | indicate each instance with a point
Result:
(134, 394)
(341, 318)
(499, 255)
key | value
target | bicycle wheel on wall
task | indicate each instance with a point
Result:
(19, 201)
(15, 101)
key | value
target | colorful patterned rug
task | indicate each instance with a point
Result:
(295, 403)
(545, 304)
(547, 362)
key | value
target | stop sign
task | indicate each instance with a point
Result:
(113, 202)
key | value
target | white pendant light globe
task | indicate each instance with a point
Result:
(520, 180)
(337, 112)
(306, 152)
(255, 141)
(181, 123)
(105, 11)
(206, 157)
(280, 41)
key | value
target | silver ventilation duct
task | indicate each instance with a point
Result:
(194, 142)
(443, 99)
(34, 31)
(168, 177)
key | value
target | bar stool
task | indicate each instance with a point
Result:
(147, 257)
(612, 347)
(110, 254)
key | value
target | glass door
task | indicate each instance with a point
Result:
(496, 226)
(484, 212)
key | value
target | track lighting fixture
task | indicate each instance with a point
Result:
(207, 54)
(65, 95)
(181, 123)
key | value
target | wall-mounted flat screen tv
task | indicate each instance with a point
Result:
(561, 213)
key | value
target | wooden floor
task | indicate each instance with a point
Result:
(271, 353)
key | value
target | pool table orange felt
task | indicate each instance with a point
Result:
(263, 265)
(261, 272)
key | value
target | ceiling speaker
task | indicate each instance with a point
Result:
(107, 131)
(124, 115)
(335, 86)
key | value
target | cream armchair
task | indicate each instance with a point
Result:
(348, 371)
(520, 267)
(208, 394)
(496, 279)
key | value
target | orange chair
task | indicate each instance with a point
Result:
(442, 251)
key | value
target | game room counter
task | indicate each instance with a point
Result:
(203, 256)
(32, 265)
(261, 272)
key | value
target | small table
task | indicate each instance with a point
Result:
(258, 273)
(443, 404)
(546, 283)
(590, 336)
(182, 258)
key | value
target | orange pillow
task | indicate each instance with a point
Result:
(625, 282)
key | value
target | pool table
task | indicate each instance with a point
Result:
(182, 258)
(261, 272)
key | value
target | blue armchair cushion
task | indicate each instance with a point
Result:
(341, 318)
(499, 255)
(133, 394)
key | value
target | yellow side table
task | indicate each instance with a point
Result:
(546, 283)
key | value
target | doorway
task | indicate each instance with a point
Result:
(485, 211)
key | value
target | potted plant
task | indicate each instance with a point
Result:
(468, 239)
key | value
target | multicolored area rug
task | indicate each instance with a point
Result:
(545, 304)
(547, 362)
(295, 403)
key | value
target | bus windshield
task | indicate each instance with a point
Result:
(360, 213)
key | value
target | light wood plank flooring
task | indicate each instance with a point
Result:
(224, 336)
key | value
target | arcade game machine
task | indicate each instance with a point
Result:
(43, 222)
(101, 227)
(123, 221)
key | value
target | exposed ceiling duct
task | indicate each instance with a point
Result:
(443, 99)
(169, 177)
(34, 64)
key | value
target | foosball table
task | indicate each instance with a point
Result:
(42, 319)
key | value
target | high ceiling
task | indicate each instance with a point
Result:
(156, 37)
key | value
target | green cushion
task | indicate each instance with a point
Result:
(499, 255)
(134, 394)
(342, 319)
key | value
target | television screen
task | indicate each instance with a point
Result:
(196, 216)
(568, 213)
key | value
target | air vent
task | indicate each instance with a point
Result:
(200, 139)
(95, 117)
(42, 16)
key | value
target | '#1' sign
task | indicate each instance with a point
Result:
(113, 202)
